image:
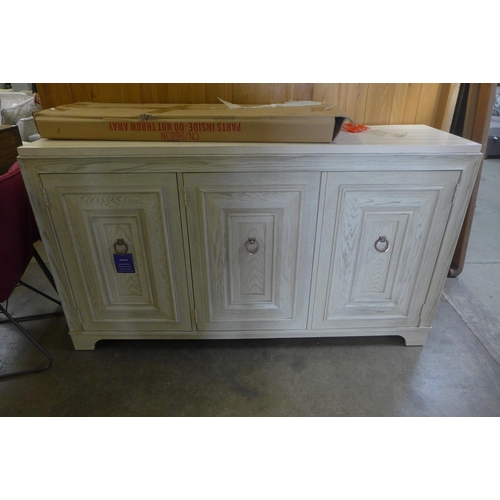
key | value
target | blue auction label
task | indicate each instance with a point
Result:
(124, 263)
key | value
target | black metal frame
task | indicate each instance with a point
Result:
(16, 321)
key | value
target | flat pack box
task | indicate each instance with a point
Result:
(287, 122)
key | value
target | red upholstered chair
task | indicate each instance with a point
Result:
(18, 233)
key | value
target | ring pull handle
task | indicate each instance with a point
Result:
(382, 244)
(251, 246)
(120, 243)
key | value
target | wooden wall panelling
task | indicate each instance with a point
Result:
(329, 92)
(130, 93)
(400, 103)
(445, 107)
(103, 92)
(152, 93)
(412, 98)
(138, 93)
(351, 97)
(54, 94)
(379, 104)
(258, 93)
(160, 91)
(299, 91)
(82, 92)
(99, 92)
(148, 93)
(215, 90)
(355, 103)
(426, 108)
(186, 93)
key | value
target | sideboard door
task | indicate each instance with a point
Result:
(137, 218)
(251, 239)
(380, 237)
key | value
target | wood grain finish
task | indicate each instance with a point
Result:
(187, 212)
(359, 285)
(93, 214)
(368, 103)
(253, 235)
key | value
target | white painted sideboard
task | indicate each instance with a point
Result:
(231, 240)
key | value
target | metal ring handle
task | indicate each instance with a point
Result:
(120, 243)
(382, 244)
(253, 242)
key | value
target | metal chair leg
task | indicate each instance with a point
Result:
(16, 321)
(44, 268)
(31, 339)
(39, 292)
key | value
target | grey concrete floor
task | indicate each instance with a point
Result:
(475, 293)
(457, 372)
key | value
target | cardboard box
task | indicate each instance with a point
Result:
(287, 122)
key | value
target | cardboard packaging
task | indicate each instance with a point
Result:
(287, 122)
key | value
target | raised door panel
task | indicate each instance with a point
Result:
(252, 243)
(381, 234)
(147, 288)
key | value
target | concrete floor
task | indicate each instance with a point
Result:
(457, 372)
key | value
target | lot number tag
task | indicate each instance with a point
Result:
(124, 263)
